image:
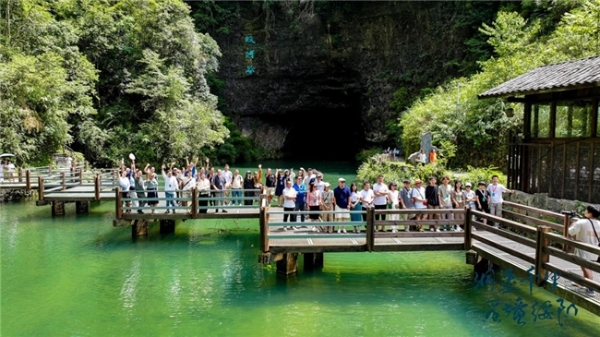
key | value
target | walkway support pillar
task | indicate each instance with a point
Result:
(540, 256)
(82, 207)
(468, 229)
(167, 226)
(58, 208)
(139, 228)
(288, 265)
(313, 261)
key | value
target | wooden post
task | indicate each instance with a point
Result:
(28, 179)
(288, 265)
(264, 229)
(40, 188)
(566, 224)
(370, 229)
(82, 207)
(58, 208)
(167, 226)
(62, 178)
(139, 228)
(468, 229)
(194, 203)
(97, 187)
(118, 208)
(540, 256)
(20, 175)
(313, 261)
(80, 176)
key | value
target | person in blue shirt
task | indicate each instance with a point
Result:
(300, 199)
(342, 195)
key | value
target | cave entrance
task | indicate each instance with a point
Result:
(326, 133)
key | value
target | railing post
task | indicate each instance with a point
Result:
(28, 180)
(264, 230)
(97, 187)
(40, 188)
(118, 208)
(540, 256)
(370, 229)
(20, 175)
(80, 176)
(566, 224)
(62, 178)
(468, 229)
(194, 203)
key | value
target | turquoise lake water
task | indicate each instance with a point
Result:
(77, 275)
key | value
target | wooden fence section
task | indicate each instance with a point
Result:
(530, 248)
(188, 205)
(533, 250)
(77, 185)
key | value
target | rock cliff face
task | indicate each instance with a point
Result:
(324, 76)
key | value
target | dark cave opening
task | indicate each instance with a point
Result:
(332, 130)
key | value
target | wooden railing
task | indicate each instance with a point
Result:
(539, 239)
(64, 180)
(536, 236)
(193, 199)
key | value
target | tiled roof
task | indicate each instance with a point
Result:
(558, 77)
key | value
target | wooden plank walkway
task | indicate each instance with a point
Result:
(80, 193)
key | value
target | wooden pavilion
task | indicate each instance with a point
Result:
(559, 150)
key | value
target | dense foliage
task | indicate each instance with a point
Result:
(107, 78)
(479, 127)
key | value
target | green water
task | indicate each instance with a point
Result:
(78, 276)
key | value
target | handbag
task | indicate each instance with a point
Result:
(595, 233)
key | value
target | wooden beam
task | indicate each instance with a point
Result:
(573, 259)
(529, 209)
(541, 256)
(194, 203)
(503, 248)
(118, 206)
(28, 179)
(468, 229)
(97, 186)
(274, 249)
(370, 229)
(40, 188)
(532, 220)
(420, 247)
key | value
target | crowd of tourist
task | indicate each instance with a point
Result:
(222, 189)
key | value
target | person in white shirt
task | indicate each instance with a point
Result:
(445, 191)
(319, 183)
(422, 157)
(394, 199)
(587, 231)
(309, 175)
(496, 200)
(125, 184)
(189, 183)
(10, 168)
(171, 186)
(237, 182)
(203, 185)
(228, 176)
(418, 197)
(289, 201)
(367, 197)
(380, 190)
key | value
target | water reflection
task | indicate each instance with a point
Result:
(130, 284)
